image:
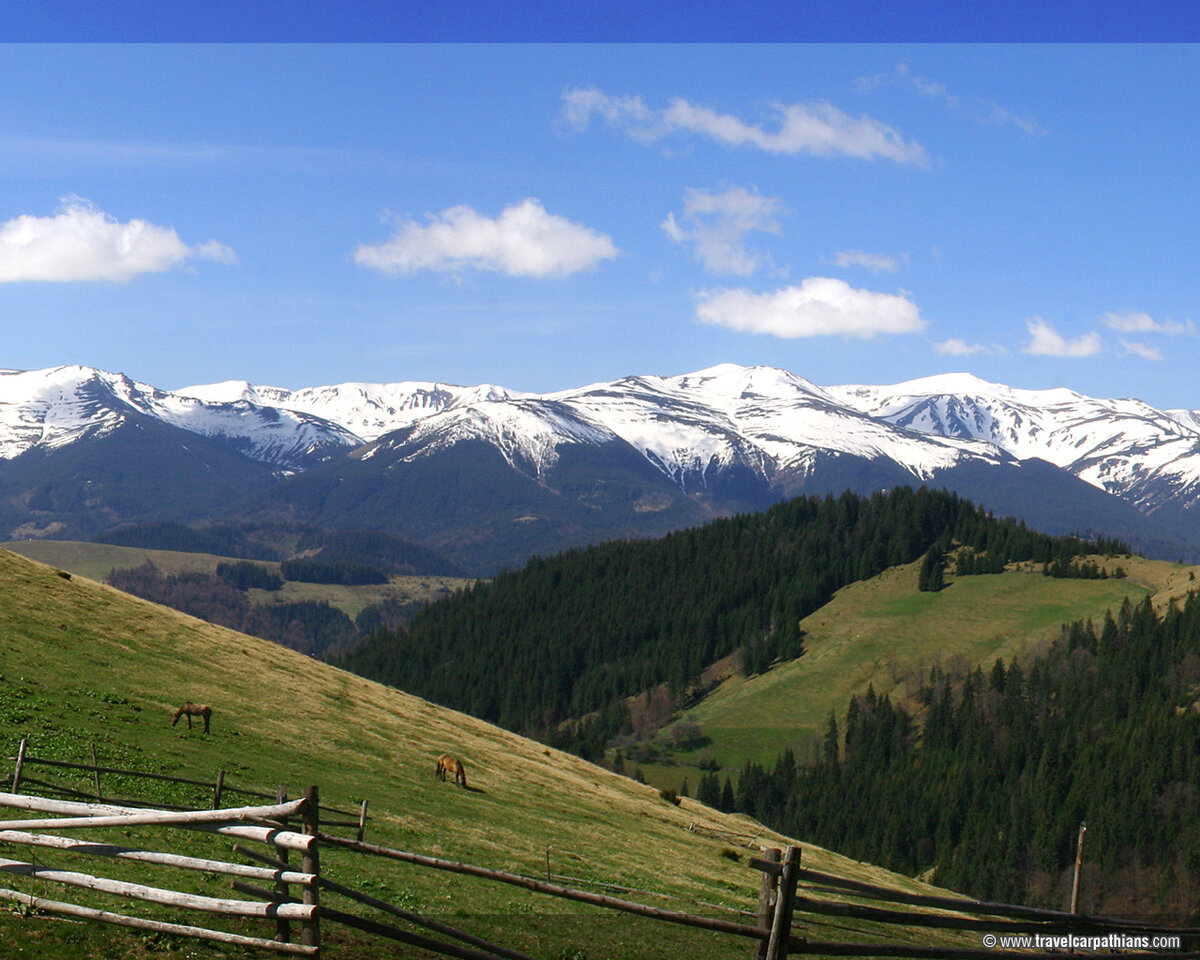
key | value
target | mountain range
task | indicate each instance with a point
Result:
(490, 476)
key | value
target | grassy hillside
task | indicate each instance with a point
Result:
(883, 632)
(82, 663)
(95, 560)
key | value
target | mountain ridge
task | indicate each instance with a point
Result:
(635, 456)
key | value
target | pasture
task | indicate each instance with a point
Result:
(884, 633)
(83, 663)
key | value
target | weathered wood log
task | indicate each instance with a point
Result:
(944, 921)
(310, 862)
(785, 904)
(362, 821)
(268, 835)
(172, 898)
(283, 929)
(16, 782)
(90, 849)
(122, 817)
(429, 924)
(766, 900)
(540, 886)
(968, 906)
(157, 926)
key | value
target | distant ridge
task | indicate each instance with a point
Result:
(490, 476)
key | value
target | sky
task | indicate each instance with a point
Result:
(546, 215)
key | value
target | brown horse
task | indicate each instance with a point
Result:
(190, 710)
(448, 764)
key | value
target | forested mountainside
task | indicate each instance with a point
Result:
(571, 635)
(990, 782)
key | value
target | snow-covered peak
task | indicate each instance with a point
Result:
(368, 410)
(61, 405)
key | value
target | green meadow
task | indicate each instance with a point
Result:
(82, 664)
(886, 634)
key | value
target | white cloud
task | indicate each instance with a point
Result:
(1140, 349)
(1047, 342)
(817, 128)
(998, 116)
(875, 262)
(1130, 321)
(820, 306)
(523, 241)
(717, 224)
(81, 242)
(984, 111)
(955, 347)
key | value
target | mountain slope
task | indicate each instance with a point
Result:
(573, 635)
(85, 663)
(493, 475)
(885, 634)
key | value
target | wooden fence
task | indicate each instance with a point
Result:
(218, 786)
(259, 824)
(786, 891)
(787, 888)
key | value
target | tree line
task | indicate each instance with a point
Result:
(571, 636)
(989, 782)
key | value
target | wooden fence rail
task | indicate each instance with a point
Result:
(566, 893)
(218, 786)
(954, 914)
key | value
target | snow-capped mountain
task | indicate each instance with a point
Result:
(50, 409)
(769, 421)
(1125, 447)
(368, 410)
(636, 456)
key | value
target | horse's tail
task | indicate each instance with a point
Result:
(460, 772)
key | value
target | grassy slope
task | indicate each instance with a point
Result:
(885, 633)
(95, 560)
(81, 662)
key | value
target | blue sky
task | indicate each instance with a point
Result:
(543, 216)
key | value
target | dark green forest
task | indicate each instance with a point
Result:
(990, 782)
(573, 635)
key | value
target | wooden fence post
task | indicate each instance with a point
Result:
(283, 929)
(96, 771)
(16, 784)
(219, 788)
(311, 863)
(1078, 865)
(766, 901)
(785, 903)
(362, 821)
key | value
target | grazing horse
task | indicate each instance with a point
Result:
(448, 764)
(190, 710)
